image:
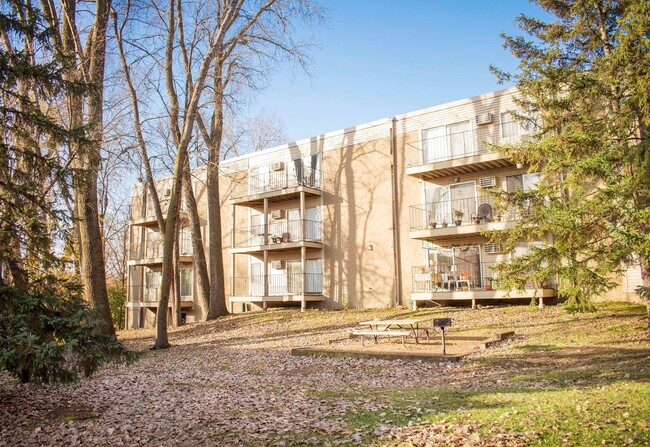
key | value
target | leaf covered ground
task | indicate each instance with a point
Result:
(561, 380)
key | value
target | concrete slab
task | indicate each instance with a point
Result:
(384, 354)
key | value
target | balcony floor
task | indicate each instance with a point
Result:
(459, 166)
(283, 246)
(458, 232)
(480, 294)
(275, 195)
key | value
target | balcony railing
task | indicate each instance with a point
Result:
(279, 284)
(443, 148)
(279, 232)
(139, 210)
(289, 177)
(138, 294)
(474, 210)
(459, 277)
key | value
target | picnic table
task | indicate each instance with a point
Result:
(402, 328)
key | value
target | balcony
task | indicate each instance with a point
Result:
(467, 282)
(153, 252)
(139, 214)
(452, 155)
(281, 288)
(144, 296)
(276, 186)
(442, 220)
(279, 236)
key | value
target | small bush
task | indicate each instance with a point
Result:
(50, 335)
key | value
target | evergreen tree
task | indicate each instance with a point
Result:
(585, 81)
(46, 332)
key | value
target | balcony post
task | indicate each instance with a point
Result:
(303, 269)
(302, 216)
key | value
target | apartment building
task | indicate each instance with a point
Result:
(376, 215)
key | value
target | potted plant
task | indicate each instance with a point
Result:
(476, 218)
(444, 223)
(432, 225)
(458, 217)
(488, 283)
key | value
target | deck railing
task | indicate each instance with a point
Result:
(279, 232)
(278, 284)
(474, 210)
(139, 294)
(290, 176)
(443, 148)
(458, 277)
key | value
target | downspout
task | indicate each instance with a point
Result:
(395, 211)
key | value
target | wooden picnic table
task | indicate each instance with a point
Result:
(412, 325)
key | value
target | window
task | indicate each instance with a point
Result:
(187, 282)
(314, 276)
(154, 244)
(152, 284)
(523, 182)
(186, 248)
(447, 142)
(511, 128)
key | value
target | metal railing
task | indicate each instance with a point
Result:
(288, 177)
(139, 294)
(443, 148)
(471, 210)
(458, 277)
(278, 284)
(141, 210)
(279, 232)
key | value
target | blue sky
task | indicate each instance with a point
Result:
(380, 58)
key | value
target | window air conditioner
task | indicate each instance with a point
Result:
(277, 166)
(276, 214)
(487, 182)
(492, 248)
(484, 118)
(277, 265)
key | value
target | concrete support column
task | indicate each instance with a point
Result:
(266, 253)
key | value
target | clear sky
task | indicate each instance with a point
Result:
(380, 58)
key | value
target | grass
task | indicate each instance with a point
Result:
(610, 415)
(571, 381)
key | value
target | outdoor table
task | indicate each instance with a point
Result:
(412, 325)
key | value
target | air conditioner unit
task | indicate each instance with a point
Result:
(277, 166)
(276, 214)
(492, 248)
(487, 182)
(484, 118)
(277, 265)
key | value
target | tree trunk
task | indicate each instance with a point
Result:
(200, 262)
(88, 157)
(176, 287)
(217, 287)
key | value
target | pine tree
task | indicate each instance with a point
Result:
(585, 81)
(47, 333)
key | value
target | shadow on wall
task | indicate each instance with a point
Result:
(356, 202)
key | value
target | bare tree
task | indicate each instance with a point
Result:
(240, 61)
(86, 56)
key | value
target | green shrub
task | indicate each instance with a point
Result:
(117, 299)
(50, 335)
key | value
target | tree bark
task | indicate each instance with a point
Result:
(200, 262)
(215, 249)
(87, 155)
